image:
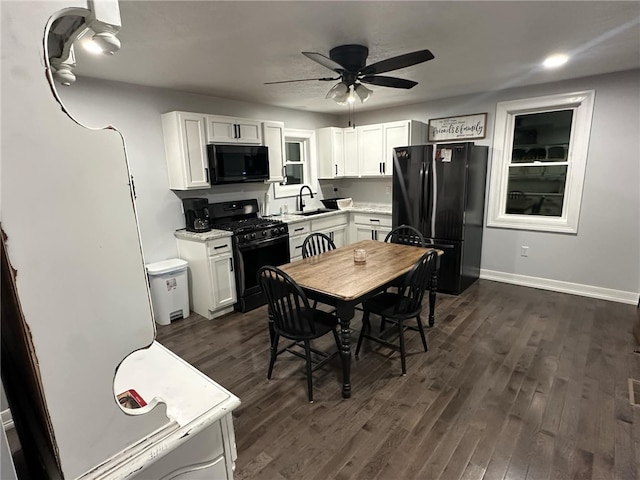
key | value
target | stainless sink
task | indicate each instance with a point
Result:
(314, 212)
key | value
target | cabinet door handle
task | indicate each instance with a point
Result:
(299, 246)
(221, 246)
(384, 168)
(374, 220)
(298, 229)
(206, 174)
(231, 264)
(237, 131)
(336, 169)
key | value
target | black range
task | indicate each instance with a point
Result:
(256, 242)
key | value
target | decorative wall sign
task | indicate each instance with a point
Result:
(463, 127)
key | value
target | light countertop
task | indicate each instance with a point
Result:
(359, 208)
(201, 237)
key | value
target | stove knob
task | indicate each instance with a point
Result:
(253, 235)
(275, 231)
(264, 233)
(246, 237)
(282, 229)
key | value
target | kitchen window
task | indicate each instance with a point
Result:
(539, 161)
(299, 163)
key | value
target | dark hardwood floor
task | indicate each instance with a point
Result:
(518, 383)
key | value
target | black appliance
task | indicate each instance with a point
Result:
(238, 163)
(256, 242)
(439, 189)
(196, 213)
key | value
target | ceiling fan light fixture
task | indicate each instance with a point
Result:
(339, 93)
(363, 92)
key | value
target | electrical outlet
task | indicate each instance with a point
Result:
(524, 251)
(388, 190)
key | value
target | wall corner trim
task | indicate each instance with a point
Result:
(620, 296)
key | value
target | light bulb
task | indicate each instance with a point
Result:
(555, 61)
(351, 98)
(363, 92)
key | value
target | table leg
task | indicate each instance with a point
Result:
(432, 293)
(345, 314)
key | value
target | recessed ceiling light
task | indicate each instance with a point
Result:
(557, 60)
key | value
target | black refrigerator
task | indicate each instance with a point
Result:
(439, 189)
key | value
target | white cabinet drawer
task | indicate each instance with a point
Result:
(299, 228)
(329, 222)
(374, 220)
(221, 246)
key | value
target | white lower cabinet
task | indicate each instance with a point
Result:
(334, 226)
(370, 226)
(212, 285)
(298, 231)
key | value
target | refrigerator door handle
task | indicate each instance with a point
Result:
(421, 205)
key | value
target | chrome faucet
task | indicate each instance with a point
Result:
(300, 201)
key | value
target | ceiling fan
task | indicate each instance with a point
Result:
(349, 62)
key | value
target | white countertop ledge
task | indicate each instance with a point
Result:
(374, 209)
(201, 236)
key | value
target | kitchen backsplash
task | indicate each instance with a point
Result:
(362, 190)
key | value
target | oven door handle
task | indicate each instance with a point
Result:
(263, 243)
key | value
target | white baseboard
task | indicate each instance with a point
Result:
(7, 419)
(620, 296)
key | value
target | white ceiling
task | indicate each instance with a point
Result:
(229, 49)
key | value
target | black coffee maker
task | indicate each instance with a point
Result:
(196, 212)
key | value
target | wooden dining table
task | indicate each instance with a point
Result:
(333, 278)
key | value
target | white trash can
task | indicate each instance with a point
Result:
(169, 286)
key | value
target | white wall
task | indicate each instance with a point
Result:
(605, 253)
(136, 111)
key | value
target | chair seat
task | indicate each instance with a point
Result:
(390, 305)
(324, 323)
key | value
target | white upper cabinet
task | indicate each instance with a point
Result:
(364, 151)
(351, 168)
(187, 134)
(330, 152)
(370, 154)
(185, 149)
(233, 130)
(273, 136)
(400, 134)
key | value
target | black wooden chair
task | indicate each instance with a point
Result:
(399, 307)
(291, 317)
(315, 244)
(406, 235)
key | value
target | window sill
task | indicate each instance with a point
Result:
(533, 223)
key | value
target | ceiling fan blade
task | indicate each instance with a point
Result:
(324, 79)
(394, 63)
(388, 81)
(324, 61)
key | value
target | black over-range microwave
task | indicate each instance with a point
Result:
(238, 163)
